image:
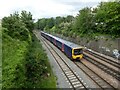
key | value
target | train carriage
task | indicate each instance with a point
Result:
(73, 51)
(59, 44)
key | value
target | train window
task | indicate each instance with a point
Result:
(77, 51)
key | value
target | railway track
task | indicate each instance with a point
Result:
(73, 78)
(74, 81)
(112, 72)
(115, 63)
(94, 76)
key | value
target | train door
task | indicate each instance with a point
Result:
(62, 47)
(54, 42)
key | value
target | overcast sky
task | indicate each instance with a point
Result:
(45, 8)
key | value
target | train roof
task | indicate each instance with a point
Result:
(68, 43)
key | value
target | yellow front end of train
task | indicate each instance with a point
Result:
(77, 53)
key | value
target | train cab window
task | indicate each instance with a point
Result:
(77, 51)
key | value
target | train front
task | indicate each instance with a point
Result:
(77, 53)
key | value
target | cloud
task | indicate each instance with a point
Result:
(45, 8)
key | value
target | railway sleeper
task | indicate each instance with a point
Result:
(70, 76)
(74, 80)
(77, 82)
(68, 72)
(78, 85)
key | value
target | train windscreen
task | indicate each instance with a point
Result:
(78, 51)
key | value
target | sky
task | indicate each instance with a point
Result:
(45, 8)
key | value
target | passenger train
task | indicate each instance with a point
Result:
(73, 51)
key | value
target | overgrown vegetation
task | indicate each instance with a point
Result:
(104, 19)
(38, 71)
(0, 56)
(24, 63)
(16, 26)
(13, 58)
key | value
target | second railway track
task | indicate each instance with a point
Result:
(94, 76)
(112, 72)
(115, 63)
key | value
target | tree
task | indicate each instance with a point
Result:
(84, 23)
(50, 23)
(41, 23)
(69, 18)
(108, 18)
(26, 17)
(16, 28)
(58, 20)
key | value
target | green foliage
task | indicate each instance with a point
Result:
(26, 18)
(69, 18)
(108, 18)
(13, 53)
(58, 20)
(50, 23)
(45, 23)
(53, 29)
(25, 65)
(104, 19)
(37, 67)
(84, 23)
(18, 27)
(0, 55)
(41, 24)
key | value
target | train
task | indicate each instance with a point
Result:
(71, 50)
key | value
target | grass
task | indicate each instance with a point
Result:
(25, 64)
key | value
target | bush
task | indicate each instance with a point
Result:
(37, 66)
(16, 27)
